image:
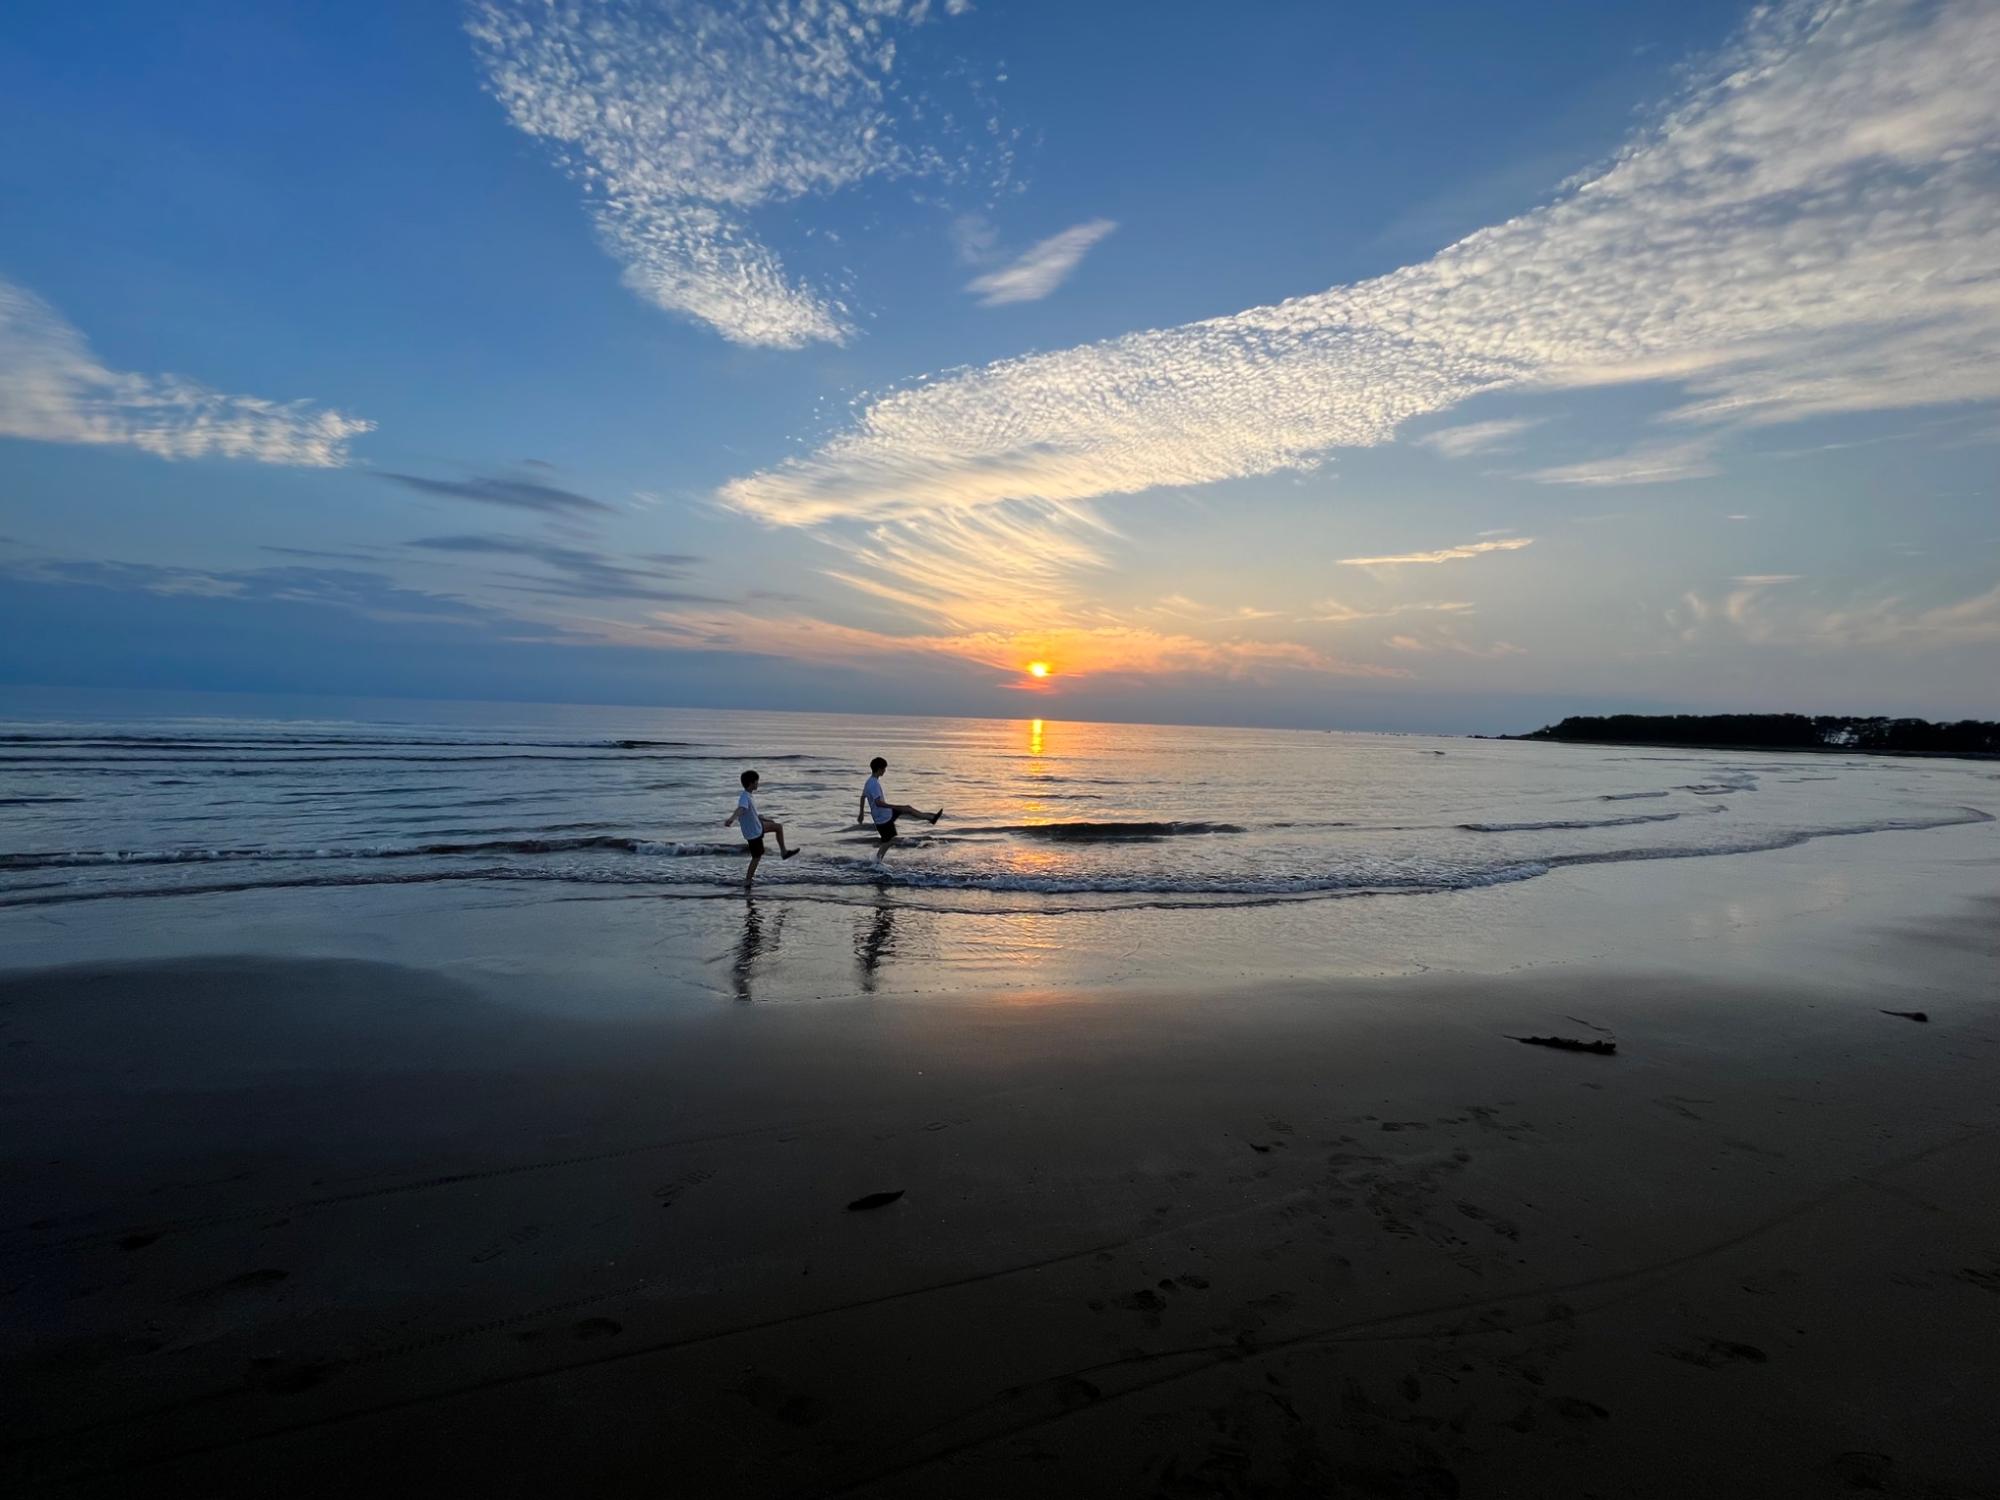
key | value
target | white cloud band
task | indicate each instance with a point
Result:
(1815, 229)
(679, 118)
(1441, 555)
(1043, 268)
(54, 390)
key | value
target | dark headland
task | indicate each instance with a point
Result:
(1850, 734)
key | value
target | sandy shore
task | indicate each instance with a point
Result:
(328, 1224)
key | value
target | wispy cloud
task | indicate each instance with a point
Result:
(1893, 621)
(1657, 464)
(499, 489)
(1442, 554)
(1814, 228)
(1759, 609)
(578, 572)
(975, 238)
(54, 390)
(368, 593)
(1043, 268)
(1478, 437)
(322, 554)
(1334, 612)
(679, 119)
(985, 569)
(1449, 641)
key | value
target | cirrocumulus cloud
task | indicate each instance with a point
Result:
(1814, 228)
(680, 118)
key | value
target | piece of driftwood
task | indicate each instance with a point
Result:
(875, 1200)
(1569, 1044)
(1909, 1015)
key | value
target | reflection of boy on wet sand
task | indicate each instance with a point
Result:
(756, 941)
(874, 940)
(754, 826)
(874, 801)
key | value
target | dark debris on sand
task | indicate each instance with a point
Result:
(874, 1200)
(1569, 1044)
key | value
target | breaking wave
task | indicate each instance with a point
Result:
(607, 842)
(829, 876)
(1082, 833)
(1558, 823)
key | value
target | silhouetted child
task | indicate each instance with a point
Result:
(754, 826)
(885, 812)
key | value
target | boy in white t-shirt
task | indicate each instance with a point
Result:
(754, 826)
(885, 812)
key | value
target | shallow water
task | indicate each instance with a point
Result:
(1041, 815)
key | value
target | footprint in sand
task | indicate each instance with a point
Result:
(775, 1398)
(669, 1193)
(527, 1234)
(1576, 1409)
(1147, 1303)
(1713, 1354)
(1986, 1280)
(1505, 1228)
(249, 1281)
(1679, 1105)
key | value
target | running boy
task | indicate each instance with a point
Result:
(754, 826)
(886, 812)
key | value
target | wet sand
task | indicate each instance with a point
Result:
(322, 1225)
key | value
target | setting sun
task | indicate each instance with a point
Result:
(1038, 669)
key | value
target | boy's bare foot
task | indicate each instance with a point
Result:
(786, 853)
(936, 815)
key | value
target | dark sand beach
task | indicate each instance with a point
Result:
(340, 1225)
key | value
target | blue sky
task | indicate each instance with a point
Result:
(1439, 367)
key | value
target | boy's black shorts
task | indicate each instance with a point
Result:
(756, 845)
(886, 831)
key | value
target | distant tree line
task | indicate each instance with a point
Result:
(1781, 732)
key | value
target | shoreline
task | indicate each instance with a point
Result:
(917, 885)
(502, 1225)
(1727, 748)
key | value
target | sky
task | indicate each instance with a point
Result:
(1447, 367)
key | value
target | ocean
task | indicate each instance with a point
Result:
(1042, 814)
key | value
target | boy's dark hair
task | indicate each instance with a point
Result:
(749, 779)
(878, 765)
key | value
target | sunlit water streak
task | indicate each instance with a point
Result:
(1040, 815)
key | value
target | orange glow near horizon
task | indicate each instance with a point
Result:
(1038, 669)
